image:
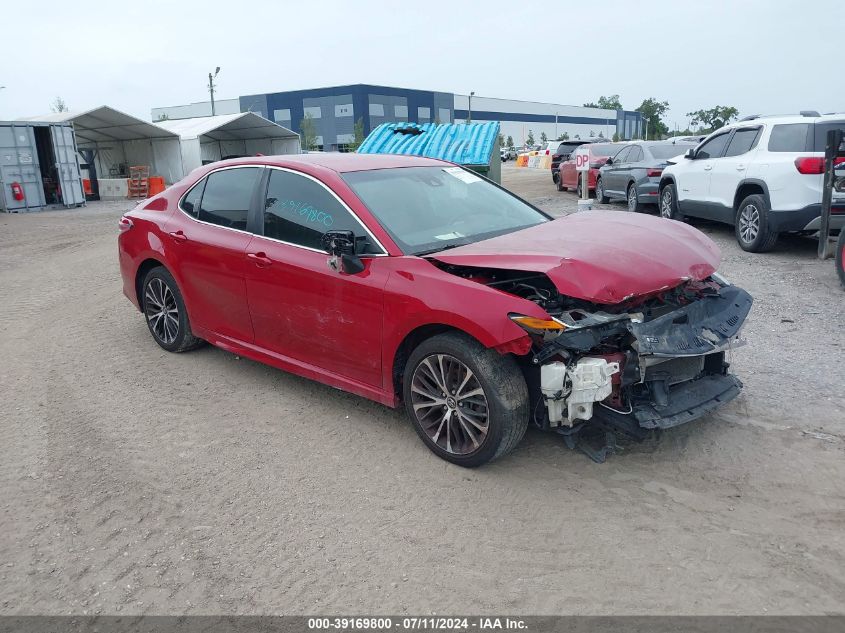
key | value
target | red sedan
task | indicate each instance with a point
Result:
(599, 153)
(413, 281)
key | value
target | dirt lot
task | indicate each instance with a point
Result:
(136, 481)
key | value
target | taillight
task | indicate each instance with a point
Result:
(653, 173)
(810, 164)
(124, 224)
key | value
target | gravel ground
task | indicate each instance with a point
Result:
(133, 481)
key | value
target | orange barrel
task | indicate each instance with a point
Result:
(156, 185)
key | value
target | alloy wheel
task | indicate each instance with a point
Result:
(749, 223)
(599, 190)
(666, 204)
(449, 404)
(632, 198)
(161, 310)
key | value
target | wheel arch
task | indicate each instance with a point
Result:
(410, 342)
(146, 266)
(749, 187)
(666, 181)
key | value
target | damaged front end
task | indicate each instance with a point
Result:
(650, 362)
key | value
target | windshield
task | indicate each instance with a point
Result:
(427, 209)
(601, 149)
(665, 151)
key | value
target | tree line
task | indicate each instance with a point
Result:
(653, 110)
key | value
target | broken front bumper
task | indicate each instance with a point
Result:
(674, 371)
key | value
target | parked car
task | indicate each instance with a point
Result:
(505, 154)
(685, 139)
(415, 282)
(633, 174)
(599, 153)
(562, 153)
(763, 175)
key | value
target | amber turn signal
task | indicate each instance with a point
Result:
(535, 324)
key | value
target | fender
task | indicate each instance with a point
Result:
(472, 307)
(751, 181)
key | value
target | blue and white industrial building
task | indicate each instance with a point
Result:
(335, 110)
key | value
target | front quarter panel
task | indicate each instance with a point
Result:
(418, 293)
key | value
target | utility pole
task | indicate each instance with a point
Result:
(646, 129)
(211, 87)
(469, 109)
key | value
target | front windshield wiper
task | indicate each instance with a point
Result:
(445, 247)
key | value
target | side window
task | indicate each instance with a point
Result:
(622, 156)
(742, 141)
(636, 155)
(713, 148)
(191, 202)
(227, 194)
(789, 138)
(299, 210)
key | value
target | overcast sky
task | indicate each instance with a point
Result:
(762, 56)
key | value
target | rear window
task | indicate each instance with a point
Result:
(821, 130)
(791, 137)
(567, 148)
(665, 151)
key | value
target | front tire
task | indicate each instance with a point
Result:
(669, 204)
(840, 256)
(600, 197)
(752, 225)
(559, 183)
(468, 404)
(165, 313)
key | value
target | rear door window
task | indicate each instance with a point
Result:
(191, 202)
(622, 156)
(789, 137)
(227, 197)
(743, 140)
(635, 156)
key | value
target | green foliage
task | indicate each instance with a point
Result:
(359, 135)
(501, 140)
(543, 137)
(714, 118)
(601, 134)
(563, 137)
(652, 111)
(530, 140)
(510, 141)
(606, 103)
(615, 137)
(308, 133)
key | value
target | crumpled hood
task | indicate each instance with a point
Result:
(599, 256)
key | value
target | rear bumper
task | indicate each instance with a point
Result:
(807, 218)
(648, 192)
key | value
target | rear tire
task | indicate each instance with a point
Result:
(751, 225)
(633, 199)
(669, 204)
(559, 183)
(600, 197)
(165, 313)
(840, 256)
(467, 430)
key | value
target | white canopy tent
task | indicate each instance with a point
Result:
(119, 139)
(211, 138)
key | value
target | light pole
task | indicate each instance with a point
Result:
(211, 87)
(469, 108)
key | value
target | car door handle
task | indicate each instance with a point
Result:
(178, 236)
(261, 260)
(740, 167)
(708, 167)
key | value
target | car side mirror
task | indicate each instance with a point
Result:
(340, 245)
(690, 153)
(609, 161)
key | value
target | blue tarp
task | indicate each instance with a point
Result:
(465, 143)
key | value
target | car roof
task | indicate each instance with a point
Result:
(337, 161)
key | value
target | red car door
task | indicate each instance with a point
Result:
(300, 307)
(209, 235)
(568, 175)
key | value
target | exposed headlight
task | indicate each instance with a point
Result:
(547, 328)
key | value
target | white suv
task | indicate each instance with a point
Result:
(763, 175)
